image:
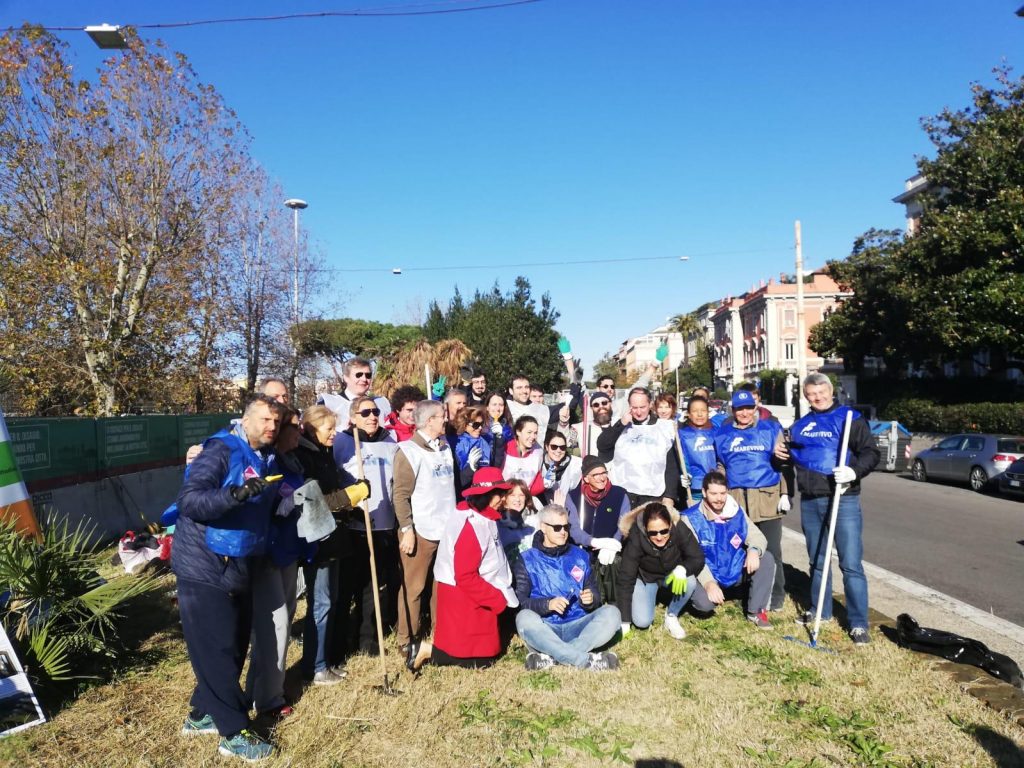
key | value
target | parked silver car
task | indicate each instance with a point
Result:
(975, 459)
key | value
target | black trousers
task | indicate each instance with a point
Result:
(356, 624)
(216, 626)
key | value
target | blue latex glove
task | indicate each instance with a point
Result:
(439, 386)
(661, 353)
(564, 347)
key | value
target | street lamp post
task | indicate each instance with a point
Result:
(296, 205)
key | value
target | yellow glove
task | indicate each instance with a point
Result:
(357, 492)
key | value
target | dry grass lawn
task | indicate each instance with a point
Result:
(729, 695)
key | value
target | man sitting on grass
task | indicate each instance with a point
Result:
(562, 619)
(734, 554)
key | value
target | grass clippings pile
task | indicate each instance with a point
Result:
(728, 695)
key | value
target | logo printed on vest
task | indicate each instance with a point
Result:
(806, 431)
(737, 445)
(250, 473)
(736, 541)
(577, 573)
(641, 438)
(703, 444)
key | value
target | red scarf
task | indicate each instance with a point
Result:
(402, 430)
(594, 498)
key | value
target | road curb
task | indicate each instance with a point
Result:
(998, 695)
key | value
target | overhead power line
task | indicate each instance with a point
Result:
(494, 267)
(419, 9)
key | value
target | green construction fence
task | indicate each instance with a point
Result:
(56, 452)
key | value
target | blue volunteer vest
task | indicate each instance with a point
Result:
(722, 544)
(699, 452)
(816, 438)
(564, 576)
(243, 530)
(747, 454)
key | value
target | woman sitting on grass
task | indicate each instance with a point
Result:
(658, 554)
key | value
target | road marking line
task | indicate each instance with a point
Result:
(933, 597)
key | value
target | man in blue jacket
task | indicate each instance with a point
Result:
(224, 517)
(561, 619)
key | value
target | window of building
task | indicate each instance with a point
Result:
(789, 318)
(790, 350)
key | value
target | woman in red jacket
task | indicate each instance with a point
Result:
(474, 581)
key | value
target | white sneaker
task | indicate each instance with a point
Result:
(674, 628)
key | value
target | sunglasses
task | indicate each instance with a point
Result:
(476, 424)
(366, 412)
(607, 386)
(554, 447)
(363, 375)
(601, 404)
(558, 528)
(662, 532)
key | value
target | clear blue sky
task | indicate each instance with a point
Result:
(573, 130)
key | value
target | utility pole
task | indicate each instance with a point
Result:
(801, 327)
(296, 205)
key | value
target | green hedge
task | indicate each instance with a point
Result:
(926, 416)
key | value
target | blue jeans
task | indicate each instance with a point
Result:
(814, 515)
(568, 642)
(645, 598)
(321, 596)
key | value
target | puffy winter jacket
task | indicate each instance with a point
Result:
(202, 501)
(642, 560)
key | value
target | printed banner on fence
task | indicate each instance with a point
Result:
(15, 502)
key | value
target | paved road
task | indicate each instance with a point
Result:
(949, 538)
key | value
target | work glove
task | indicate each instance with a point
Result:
(844, 476)
(606, 543)
(476, 455)
(784, 504)
(606, 556)
(496, 428)
(357, 492)
(254, 486)
(661, 353)
(676, 581)
(685, 479)
(625, 628)
(439, 386)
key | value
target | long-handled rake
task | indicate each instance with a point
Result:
(388, 688)
(827, 566)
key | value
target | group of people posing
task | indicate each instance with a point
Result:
(484, 513)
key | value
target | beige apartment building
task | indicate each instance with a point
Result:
(758, 330)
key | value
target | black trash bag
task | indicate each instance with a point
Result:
(962, 650)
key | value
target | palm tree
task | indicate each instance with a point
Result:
(405, 366)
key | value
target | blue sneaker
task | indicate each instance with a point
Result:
(246, 745)
(203, 725)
